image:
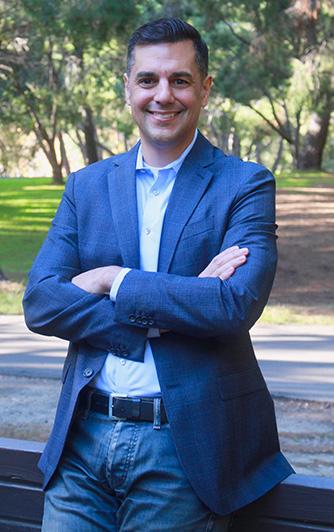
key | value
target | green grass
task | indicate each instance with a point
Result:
(293, 314)
(302, 179)
(27, 207)
(11, 295)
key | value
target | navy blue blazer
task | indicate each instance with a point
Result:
(220, 411)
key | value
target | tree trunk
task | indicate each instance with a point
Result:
(57, 174)
(314, 142)
(64, 159)
(90, 136)
(236, 145)
(278, 156)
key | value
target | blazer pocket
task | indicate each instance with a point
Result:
(200, 226)
(241, 383)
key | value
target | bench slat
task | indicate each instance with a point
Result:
(300, 504)
(21, 503)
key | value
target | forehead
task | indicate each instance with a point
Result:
(165, 57)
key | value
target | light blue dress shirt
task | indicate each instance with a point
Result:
(120, 376)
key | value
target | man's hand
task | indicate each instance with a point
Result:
(225, 264)
(97, 281)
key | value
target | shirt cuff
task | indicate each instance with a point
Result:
(117, 283)
(153, 333)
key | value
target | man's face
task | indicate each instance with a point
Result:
(166, 92)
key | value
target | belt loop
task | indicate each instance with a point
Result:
(157, 413)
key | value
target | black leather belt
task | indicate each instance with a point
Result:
(135, 408)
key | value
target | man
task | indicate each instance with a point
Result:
(156, 266)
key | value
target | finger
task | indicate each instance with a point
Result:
(227, 274)
(226, 256)
(219, 260)
(232, 263)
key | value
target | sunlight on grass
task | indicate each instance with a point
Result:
(304, 179)
(285, 315)
(27, 207)
(11, 297)
(44, 187)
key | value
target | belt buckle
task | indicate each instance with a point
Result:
(112, 396)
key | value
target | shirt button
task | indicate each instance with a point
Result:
(156, 192)
(123, 362)
(88, 372)
(147, 231)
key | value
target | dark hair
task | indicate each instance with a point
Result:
(169, 30)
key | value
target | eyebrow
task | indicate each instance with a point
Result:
(149, 74)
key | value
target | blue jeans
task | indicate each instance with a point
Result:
(123, 476)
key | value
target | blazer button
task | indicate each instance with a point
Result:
(88, 372)
(132, 318)
(138, 320)
(144, 321)
(150, 322)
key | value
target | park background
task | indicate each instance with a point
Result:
(62, 107)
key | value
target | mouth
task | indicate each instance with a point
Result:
(164, 116)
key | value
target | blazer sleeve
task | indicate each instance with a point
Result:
(54, 306)
(208, 306)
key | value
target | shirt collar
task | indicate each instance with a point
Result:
(175, 165)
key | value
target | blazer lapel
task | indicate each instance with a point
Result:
(190, 185)
(123, 199)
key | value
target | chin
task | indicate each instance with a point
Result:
(168, 137)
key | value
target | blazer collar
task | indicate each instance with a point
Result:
(191, 182)
(123, 199)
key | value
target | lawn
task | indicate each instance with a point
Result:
(301, 179)
(26, 208)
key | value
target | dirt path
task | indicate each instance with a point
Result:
(305, 275)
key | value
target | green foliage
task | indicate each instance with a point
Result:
(63, 60)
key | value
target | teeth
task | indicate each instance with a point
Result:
(164, 115)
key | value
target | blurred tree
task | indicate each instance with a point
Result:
(55, 62)
(277, 58)
(61, 65)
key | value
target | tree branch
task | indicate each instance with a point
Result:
(236, 35)
(281, 132)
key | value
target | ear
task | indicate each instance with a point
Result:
(206, 88)
(126, 88)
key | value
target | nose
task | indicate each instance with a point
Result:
(164, 93)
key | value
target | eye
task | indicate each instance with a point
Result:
(146, 82)
(179, 82)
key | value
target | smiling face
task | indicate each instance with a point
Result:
(166, 92)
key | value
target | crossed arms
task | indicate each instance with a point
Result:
(229, 293)
(223, 265)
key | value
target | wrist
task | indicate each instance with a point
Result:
(109, 275)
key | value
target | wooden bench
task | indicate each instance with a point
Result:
(299, 504)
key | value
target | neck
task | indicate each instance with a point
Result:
(160, 155)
